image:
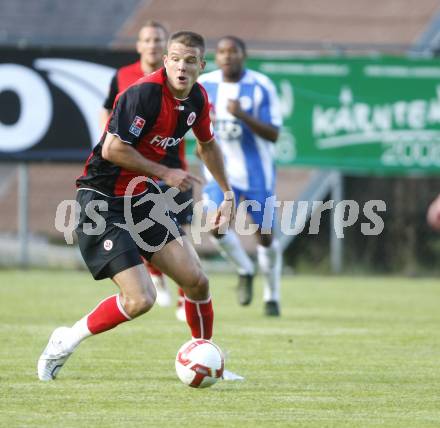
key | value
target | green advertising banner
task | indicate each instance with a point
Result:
(379, 115)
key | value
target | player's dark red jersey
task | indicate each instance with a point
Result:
(124, 78)
(148, 117)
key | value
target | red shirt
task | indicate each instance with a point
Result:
(123, 78)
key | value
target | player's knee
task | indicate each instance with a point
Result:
(198, 288)
(135, 306)
(203, 282)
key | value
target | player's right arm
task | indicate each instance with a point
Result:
(122, 154)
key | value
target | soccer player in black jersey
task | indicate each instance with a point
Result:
(151, 47)
(143, 134)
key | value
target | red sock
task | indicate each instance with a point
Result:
(153, 270)
(107, 315)
(180, 298)
(200, 318)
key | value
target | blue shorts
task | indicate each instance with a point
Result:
(260, 205)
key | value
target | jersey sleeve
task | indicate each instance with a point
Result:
(270, 108)
(113, 91)
(203, 129)
(128, 120)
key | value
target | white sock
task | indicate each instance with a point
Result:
(159, 281)
(79, 332)
(269, 261)
(231, 249)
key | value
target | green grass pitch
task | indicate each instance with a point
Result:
(347, 352)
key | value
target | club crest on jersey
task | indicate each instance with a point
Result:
(108, 244)
(137, 126)
(191, 118)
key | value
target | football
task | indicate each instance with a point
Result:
(199, 363)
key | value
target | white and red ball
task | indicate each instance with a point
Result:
(199, 363)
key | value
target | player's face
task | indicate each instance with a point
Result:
(183, 65)
(230, 58)
(151, 46)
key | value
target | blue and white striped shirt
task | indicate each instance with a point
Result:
(248, 158)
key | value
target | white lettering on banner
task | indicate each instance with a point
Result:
(358, 123)
(287, 98)
(35, 108)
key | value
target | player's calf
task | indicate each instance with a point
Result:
(198, 306)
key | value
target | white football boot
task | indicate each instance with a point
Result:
(163, 297)
(228, 375)
(56, 353)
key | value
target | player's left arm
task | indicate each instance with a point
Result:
(207, 149)
(212, 156)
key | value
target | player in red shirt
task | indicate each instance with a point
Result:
(116, 228)
(151, 47)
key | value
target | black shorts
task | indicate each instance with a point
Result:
(183, 217)
(107, 234)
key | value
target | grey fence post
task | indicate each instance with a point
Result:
(23, 215)
(336, 244)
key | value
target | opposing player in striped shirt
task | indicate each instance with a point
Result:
(246, 114)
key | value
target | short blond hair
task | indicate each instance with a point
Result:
(154, 24)
(188, 38)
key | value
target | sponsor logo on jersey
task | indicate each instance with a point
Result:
(137, 126)
(165, 142)
(191, 118)
(108, 244)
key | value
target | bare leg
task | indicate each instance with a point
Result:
(137, 290)
(181, 263)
